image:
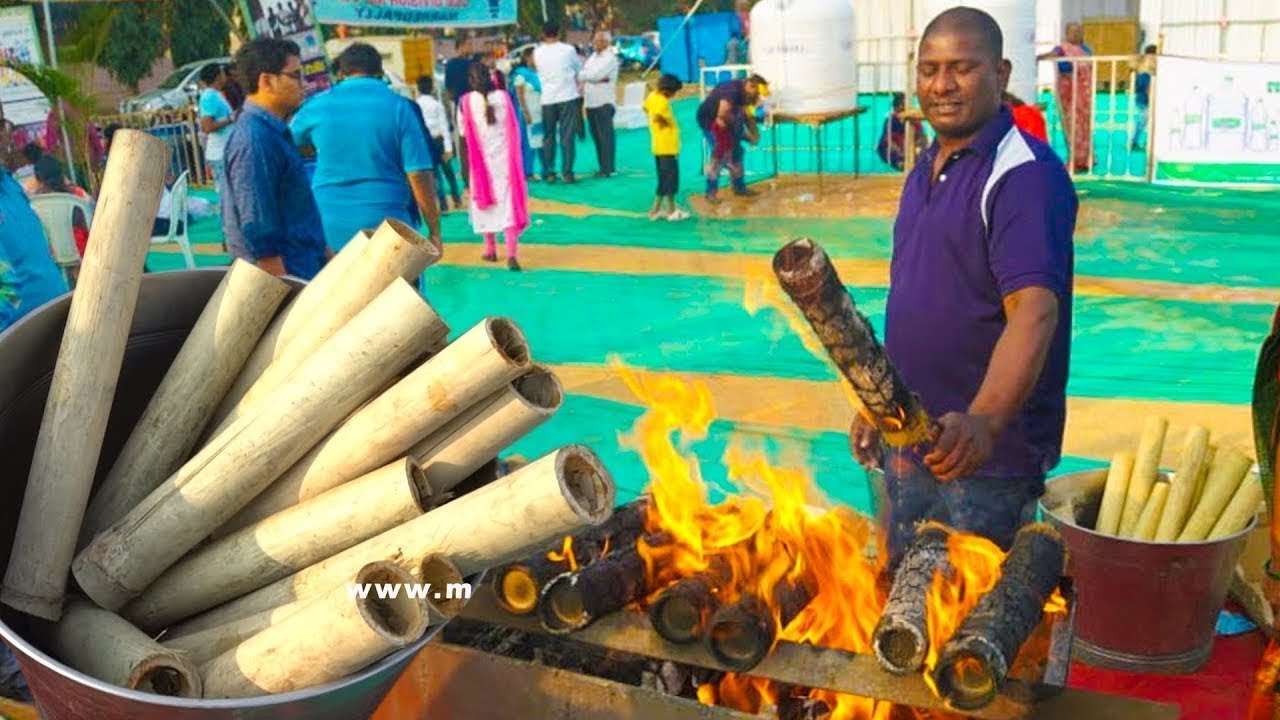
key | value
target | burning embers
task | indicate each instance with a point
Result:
(751, 571)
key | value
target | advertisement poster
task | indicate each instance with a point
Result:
(23, 103)
(417, 13)
(1217, 121)
(293, 20)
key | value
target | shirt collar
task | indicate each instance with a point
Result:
(260, 113)
(987, 139)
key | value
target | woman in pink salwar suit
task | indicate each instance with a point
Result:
(492, 142)
(1075, 97)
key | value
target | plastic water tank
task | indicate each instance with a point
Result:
(805, 50)
(1017, 21)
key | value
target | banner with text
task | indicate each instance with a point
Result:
(1217, 121)
(292, 20)
(23, 102)
(417, 13)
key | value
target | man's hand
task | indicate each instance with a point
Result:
(273, 264)
(965, 444)
(864, 442)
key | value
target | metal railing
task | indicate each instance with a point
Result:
(1102, 89)
(179, 129)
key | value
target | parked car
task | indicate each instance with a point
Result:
(179, 90)
(635, 51)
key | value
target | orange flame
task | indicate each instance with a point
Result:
(776, 529)
(565, 554)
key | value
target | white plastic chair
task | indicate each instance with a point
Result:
(631, 114)
(57, 214)
(179, 223)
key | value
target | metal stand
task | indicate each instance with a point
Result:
(817, 122)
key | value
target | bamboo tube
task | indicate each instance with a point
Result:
(1152, 513)
(304, 305)
(445, 601)
(223, 477)
(103, 645)
(473, 438)
(1229, 468)
(281, 544)
(1183, 486)
(84, 378)
(1209, 457)
(471, 368)
(901, 637)
(1114, 494)
(1242, 508)
(503, 521)
(394, 251)
(331, 638)
(1146, 466)
(204, 369)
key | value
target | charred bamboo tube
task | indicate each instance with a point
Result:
(1146, 467)
(1229, 469)
(223, 477)
(901, 638)
(471, 368)
(230, 326)
(338, 634)
(682, 612)
(396, 251)
(1183, 485)
(574, 600)
(308, 301)
(84, 378)
(742, 634)
(547, 499)
(473, 438)
(281, 544)
(103, 645)
(1114, 493)
(1151, 513)
(518, 586)
(975, 662)
(1242, 508)
(808, 277)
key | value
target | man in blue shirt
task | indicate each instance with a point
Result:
(372, 158)
(215, 122)
(28, 276)
(269, 216)
(978, 319)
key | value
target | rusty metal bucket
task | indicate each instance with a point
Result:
(168, 306)
(1141, 606)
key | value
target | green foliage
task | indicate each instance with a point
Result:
(197, 31)
(88, 37)
(529, 15)
(136, 39)
(53, 84)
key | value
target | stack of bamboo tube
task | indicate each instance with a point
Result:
(1211, 495)
(292, 454)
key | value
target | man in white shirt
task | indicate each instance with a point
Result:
(439, 140)
(558, 65)
(599, 78)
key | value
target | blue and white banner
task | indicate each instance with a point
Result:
(417, 13)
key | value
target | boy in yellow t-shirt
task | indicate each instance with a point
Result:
(666, 146)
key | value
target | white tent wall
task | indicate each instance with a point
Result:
(1196, 28)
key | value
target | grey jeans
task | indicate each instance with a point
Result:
(991, 507)
(560, 124)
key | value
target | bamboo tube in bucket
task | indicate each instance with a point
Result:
(212, 355)
(338, 634)
(557, 495)
(1146, 467)
(1114, 493)
(470, 440)
(84, 379)
(395, 251)
(1182, 489)
(1228, 470)
(281, 544)
(467, 371)
(238, 464)
(1150, 519)
(308, 302)
(103, 645)
(1242, 508)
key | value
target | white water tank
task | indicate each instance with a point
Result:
(1017, 21)
(805, 50)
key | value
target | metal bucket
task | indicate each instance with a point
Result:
(168, 306)
(1141, 606)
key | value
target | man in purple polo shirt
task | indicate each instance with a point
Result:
(978, 320)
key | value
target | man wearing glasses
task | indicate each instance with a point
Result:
(269, 216)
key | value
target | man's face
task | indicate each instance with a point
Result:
(959, 82)
(286, 86)
(752, 89)
(600, 42)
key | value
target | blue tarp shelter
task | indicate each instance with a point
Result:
(702, 40)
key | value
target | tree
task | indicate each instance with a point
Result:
(137, 39)
(197, 31)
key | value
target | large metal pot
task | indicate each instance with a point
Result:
(168, 306)
(1141, 606)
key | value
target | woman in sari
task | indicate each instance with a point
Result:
(492, 142)
(1075, 96)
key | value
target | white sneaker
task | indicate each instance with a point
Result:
(678, 215)
(654, 215)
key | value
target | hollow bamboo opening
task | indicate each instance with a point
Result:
(165, 680)
(586, 485)
(967, 683)
(518, 590)
(901, 648)
(564, 607)
(442, 576)
(539, 388)
(509, 341)
(397, 616)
